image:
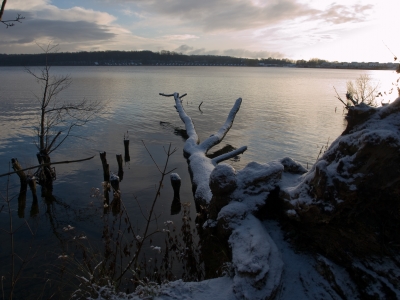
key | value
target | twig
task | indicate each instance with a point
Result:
(48, 164)
(340, 99)
(151, 156)
(145, 234)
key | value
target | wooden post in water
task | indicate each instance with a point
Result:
(21, 174)
(24, 184)
(106, 198)
(126, 146)
(114, 180)
(106, 167)
(35, 206)
(120, 168)
(32, 186)
(21, 204)
(176, 185)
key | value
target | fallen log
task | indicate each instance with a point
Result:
(200, 165)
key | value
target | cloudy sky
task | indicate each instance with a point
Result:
(343, 30)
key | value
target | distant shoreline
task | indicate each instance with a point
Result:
(167, 58)
(193, 65)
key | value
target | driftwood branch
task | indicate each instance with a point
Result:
(48, 164)
(226, 156)
(193, 139)
(216, 138)
(200, 165)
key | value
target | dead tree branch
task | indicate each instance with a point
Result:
(9, 23)
(48, 164)
(199, 164)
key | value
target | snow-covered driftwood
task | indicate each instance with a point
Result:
(199, 164)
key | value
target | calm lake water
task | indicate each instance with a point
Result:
(285, 112)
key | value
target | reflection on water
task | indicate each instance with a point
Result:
(285, 112)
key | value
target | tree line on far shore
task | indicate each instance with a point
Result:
(131, 58)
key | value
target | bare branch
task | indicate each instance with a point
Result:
(191, 131)
(9, 23)
(340, 99)
(166, 95)
(218, 137)
(3, 6)
(199, 107)
(49, 164)
(151, 156)
(226, 156)
(200, 165)
(55, 118)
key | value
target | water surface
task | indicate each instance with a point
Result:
(285, 112)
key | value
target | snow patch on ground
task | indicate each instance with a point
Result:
(256, 259)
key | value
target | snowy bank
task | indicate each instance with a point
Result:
(343, 214)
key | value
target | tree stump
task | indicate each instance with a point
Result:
(106, 167)
(120, 168)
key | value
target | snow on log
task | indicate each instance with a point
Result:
(256, 259)
(199, 164)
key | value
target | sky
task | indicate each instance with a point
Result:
(341, 30)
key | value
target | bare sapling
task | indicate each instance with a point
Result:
(359, 91)
(56, 118)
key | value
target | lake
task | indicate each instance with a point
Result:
(285, 112)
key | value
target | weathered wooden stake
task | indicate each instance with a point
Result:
(21, 204)
(106, 200)
(21, 174)
(47, 173)
(175, 207)
(106, 167)
(176, 185)
(114, 180)
(35, 206)
(32, 184)
(116, 205)
(120, 168)
(126, 146)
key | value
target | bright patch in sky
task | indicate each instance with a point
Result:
(297, 29)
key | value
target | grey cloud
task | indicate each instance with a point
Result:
(338, 14)
(214, 15)
(185, 49)
(252, 54)
(59, 31)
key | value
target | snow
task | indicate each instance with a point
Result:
(301, 277)
(200, 165)
(380, 127)
(264, 262)
(175, 177)
(256, 260)
(297, 275)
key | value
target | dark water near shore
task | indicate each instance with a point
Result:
(285, 112)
